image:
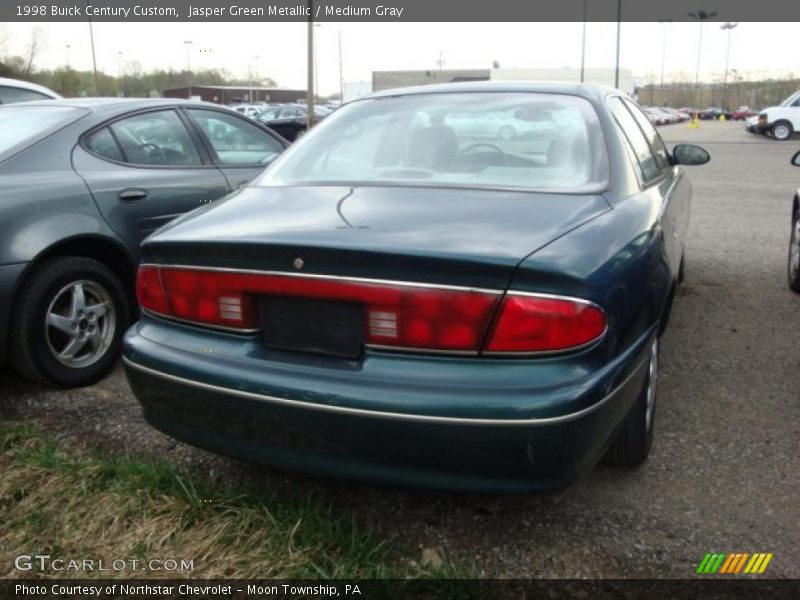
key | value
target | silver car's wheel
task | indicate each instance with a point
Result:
(68, 319)
(80, 323)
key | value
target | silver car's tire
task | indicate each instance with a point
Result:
(68, 321)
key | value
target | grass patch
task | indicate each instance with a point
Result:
(73, 505)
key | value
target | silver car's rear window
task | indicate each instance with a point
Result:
(534, 141)
(22, 125)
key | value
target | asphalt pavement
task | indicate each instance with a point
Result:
(724, 473)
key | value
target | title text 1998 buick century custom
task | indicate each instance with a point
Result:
(397, 301)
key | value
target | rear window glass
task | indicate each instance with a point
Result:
(515, 140)
(21, 126)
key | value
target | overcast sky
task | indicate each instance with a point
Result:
(757, 49)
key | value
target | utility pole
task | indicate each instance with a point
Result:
(583, 42)
(187, 44)
(67, 52)
(94, 56)
(310, 83)
(701, 16)
(619, 27)
(727, 27)
(341, 76)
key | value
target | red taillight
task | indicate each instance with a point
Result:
(149, 291)
(545, 324)
(396, 315)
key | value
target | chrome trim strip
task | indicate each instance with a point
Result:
(388, 415)
(200, 324)
(333, 277)
(389, 348)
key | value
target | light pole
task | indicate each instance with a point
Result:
(341, 76)
(583, 41)
(701, 16)
(663, 50)
(67, 52)
(187, 44)
(727, 27)
(311, 75)
(619, 27)
(94, 56)
(119, 73)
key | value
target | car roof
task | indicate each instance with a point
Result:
(585, 90)
(111, 106)
(27, 85)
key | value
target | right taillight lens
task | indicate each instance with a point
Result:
(530, 323)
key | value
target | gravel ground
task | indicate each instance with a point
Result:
(724, 473)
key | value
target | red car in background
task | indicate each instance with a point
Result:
(743, 113)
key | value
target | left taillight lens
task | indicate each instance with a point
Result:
(531, 323)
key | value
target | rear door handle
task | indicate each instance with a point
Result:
(132, 194)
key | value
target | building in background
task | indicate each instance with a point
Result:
(387, 80)
(353, 90)
(232, 94)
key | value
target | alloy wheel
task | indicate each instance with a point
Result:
(781, 131)
(80, 323)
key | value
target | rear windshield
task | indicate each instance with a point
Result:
(533, 141)
(23, 125)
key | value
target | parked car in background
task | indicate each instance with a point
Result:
(783, 121)
(714, 113)
(794, 238)
(289, 121)
(15, 90)
(82, 183)
(248, 110)
(743, 113)
(392, 300)
(751, 125)
(655, 116)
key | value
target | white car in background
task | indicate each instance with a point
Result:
(782, 121)
(248, 110)
(14, 90)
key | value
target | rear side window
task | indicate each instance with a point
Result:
(104, 144)
(10, 95)
(648, 166)
(156, 138)
(235, 140)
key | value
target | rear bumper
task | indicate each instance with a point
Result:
(447, 423)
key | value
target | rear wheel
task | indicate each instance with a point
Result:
(634, 439)
(68, 322)
(794, 254)
(782, 131)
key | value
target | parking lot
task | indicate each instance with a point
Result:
(724, 474)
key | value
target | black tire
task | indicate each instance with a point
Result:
(33, 349)
(782, 131)
(632, 443)
(793, 270)
(682, 269)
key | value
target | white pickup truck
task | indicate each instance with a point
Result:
(782, 121)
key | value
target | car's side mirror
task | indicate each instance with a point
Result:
(796, 159)
(689, 154)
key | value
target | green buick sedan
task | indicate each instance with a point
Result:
(396, 300)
